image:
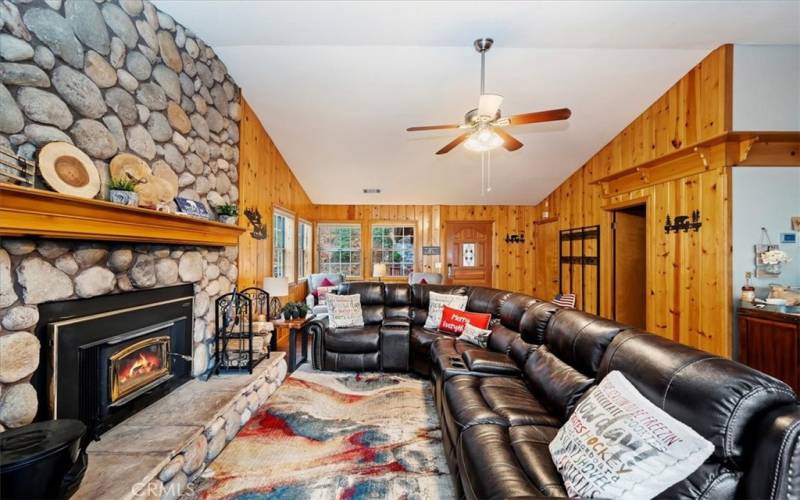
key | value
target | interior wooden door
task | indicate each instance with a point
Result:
(630, 266)
(469, 253)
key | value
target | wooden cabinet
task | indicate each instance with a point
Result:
(769, 341)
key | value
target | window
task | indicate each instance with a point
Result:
(283, 245)
(339, 249)
(304, 249)
(393, 246)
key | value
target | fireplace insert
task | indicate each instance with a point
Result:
(106, 358)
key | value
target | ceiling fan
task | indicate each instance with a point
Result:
(484, 125)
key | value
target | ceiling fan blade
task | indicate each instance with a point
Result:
(509, 142)
(489, 104)
(455, 142)
(540, 116)
(432, 127)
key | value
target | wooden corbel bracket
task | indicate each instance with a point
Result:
(745, 147)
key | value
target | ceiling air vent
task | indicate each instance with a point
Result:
(371, 191)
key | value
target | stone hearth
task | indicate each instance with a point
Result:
(159, 451)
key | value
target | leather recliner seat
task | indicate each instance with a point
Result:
(500, 407)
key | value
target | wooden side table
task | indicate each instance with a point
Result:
(294, 326)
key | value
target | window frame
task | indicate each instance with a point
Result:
(414, 246)
(318, 246)
(291, 221)
(310, 250)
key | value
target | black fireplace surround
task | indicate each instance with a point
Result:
(105, 358)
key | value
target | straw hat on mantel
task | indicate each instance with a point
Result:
(128, 166)
(69, 170)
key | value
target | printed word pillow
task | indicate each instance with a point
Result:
(344, 311)
(436, 303)
(475, 335)
(617, 444)
(454, 320)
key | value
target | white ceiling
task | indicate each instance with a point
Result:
(336, 83)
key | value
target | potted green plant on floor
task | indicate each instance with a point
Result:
(122, 191)
(227, 213)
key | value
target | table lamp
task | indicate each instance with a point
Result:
(276, 287)
(379, 270)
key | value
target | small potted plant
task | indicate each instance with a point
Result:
(294, 310)
(121, 191)
(228, 213)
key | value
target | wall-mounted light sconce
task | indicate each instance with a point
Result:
(515, 238)
(683, 223)
(259, 231)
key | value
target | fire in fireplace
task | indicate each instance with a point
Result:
(108, 357)
(138, 366)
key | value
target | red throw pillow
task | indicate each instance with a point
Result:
(453, 320)
(327, 282)
(423, 281)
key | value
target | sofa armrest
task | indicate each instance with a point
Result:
(775, 456)
(395, 344)
(490, 362)
(317, 328)
(397, 322)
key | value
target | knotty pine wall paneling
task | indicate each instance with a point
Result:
(688, 281)
(265, 181)
(513, 263)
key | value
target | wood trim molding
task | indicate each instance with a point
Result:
(34, 212)
(724, 150)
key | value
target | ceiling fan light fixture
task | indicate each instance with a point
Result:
(484, 139)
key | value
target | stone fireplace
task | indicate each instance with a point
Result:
(41, 278)
(110, 77)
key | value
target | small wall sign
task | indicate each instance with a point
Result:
(789, 238)
(191, 208)
(431, 250)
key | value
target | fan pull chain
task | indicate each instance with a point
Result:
(488, 171)
(483, 173)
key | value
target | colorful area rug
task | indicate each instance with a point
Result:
(336, 435)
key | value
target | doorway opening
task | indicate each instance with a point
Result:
(629, 230)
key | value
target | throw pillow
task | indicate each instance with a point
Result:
(326, 282)
(437, 301)
(322, 293)
(475, 335)
(453, 320)
(344, 311)
(617, 444)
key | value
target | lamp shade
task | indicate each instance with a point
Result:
(379, 270)
(276, 287)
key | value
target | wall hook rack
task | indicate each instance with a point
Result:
(515, 238)
(683, 223)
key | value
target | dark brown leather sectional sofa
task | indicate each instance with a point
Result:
(500, 407)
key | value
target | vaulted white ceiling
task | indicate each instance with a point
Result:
(336, 83)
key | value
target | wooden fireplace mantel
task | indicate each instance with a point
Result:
(34, 212)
